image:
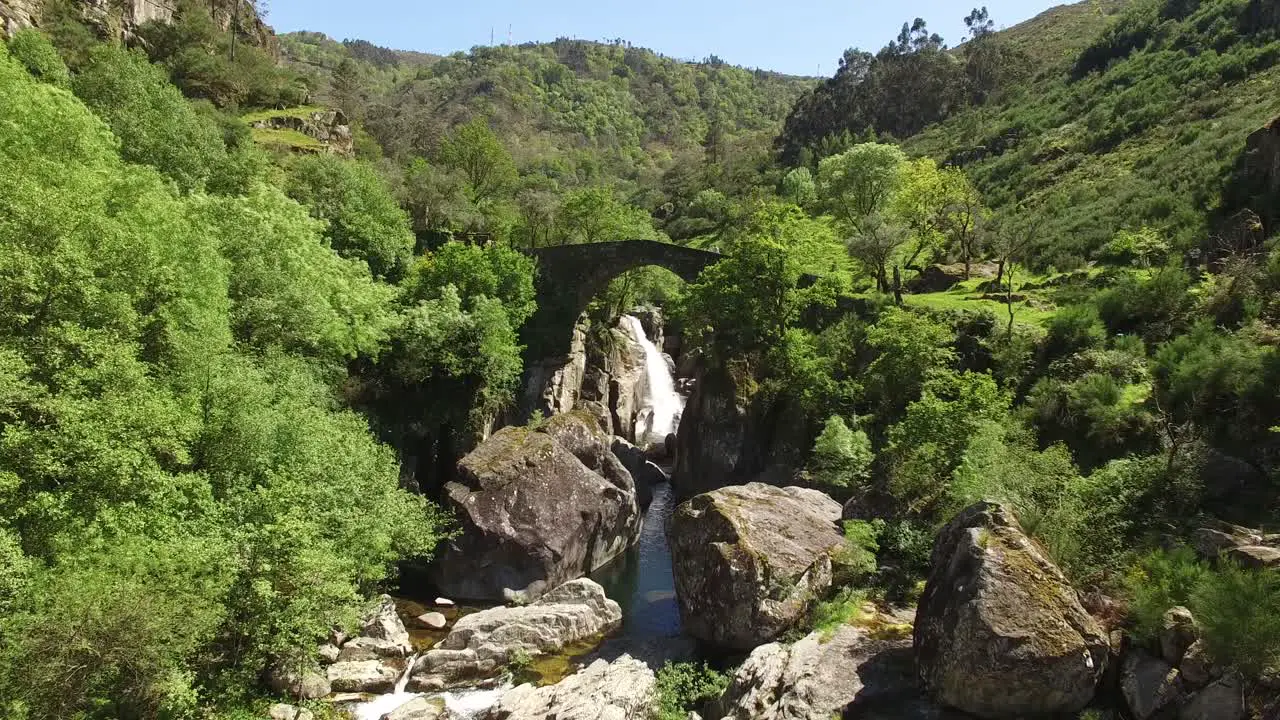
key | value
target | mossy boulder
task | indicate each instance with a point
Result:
(535, 509)
(749, 560)
(999, 632)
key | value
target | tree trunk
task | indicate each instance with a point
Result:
(999, 273)
(897, 285)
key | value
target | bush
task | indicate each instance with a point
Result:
(856, 559)
(841, 458)
(33, 49)
(1236, 610)
(1161, 580)
(685, 687)
(1073, 329)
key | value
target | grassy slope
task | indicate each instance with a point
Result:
(1168, 174)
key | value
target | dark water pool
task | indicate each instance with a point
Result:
(641, 580)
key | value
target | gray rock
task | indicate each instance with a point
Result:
(363, 676)
(433, 620)
(1196, 667)
(481, 643)
(1217, 537)
(618, 690)
(999, 632)
(281, 711)
(532, 515)
(818, 676)
(328, 653)
(301, 682)
(1148, 684)
(553, 385)
(1255, 557)
(709, 441)
(1223, 700)
(370, 648)
(1177, 633)
(749, 560)
(443, 602)
(384, 623)
(419, 709)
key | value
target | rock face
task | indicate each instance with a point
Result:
(384, 624)
(1148, 684)
(618, 690)
(329, 128)
(302, 683)
(709, 440)
(818, 676)
(481, 643)
(122, 18)
(534, 513)
(999, 632)
(553, 385)
(1223, 700)
(748, 560)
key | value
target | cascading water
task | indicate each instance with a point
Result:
(661, 406)
(461, 704)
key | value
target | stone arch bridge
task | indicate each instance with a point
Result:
(569, 276)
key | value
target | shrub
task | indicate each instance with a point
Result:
(685, 687)
(828, 616)
(857, 557)
(1237, 613)
(841, 457)
(1073, 329)
(1161, 580)
(33, 49)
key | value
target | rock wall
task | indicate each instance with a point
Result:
(602, 374)
(121, 18)
(328, 127)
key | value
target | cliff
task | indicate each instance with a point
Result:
(121, 18)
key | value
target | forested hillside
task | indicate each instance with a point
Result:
(265, 354)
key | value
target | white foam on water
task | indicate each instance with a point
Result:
(659, 411)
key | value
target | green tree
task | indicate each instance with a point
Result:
(155, 124)
(861, 181)
(799, 187)
(595, 214)
(364, 222)
(841, 458)
(474, 151)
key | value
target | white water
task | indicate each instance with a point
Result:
(660, 408)
(461, 704)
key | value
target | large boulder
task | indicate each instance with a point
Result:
(618, 690)
(301, 681)
(1148, 684)
(709, 441)
(1223, 700)
(482, 643)
(384, 623)
(362, 676)
(820, 675)
(999, 632)
(1177, 633)
(420, 708)
(748, 560)
(534, 514)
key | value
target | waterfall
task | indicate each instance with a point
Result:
(383, 704)
(659, 411)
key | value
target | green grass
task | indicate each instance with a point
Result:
(965, 301)
(287, 139)
(303, 111)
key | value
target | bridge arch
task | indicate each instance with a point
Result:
(569, 276)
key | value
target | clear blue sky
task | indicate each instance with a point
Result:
(794, 37)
